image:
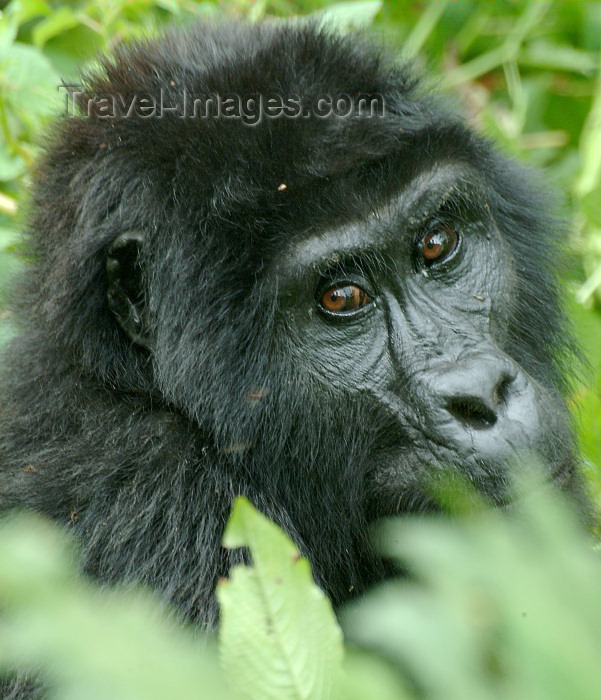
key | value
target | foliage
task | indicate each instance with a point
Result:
(55, 620)
(261, 605)
(501, 604)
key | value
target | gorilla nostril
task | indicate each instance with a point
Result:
(501, 391)
(472, 412)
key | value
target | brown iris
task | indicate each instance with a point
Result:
(439, 244)
(344, 298)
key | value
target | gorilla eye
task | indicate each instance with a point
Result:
(439, 243)
(344, 298)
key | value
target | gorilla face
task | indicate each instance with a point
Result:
(406, 313)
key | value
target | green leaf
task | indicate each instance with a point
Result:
(367, 677)
(8, 32)
(11, 167)
(586, 399)
(23, 12)
(591, 206)
(279, 639)
(61, 20)
(28, 82)
(346, 16)
(553, 56)
(8, 236)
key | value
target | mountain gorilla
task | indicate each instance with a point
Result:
(267, 262)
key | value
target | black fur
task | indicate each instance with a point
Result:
(140, 451)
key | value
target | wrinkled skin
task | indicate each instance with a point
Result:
(321, 314)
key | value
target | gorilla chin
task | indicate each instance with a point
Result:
(316, 310)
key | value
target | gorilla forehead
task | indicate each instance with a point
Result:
(225, 162)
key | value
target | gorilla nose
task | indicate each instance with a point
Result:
(478, 407)
(477, 393)
(485, 408)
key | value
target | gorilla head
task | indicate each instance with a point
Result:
(267, 263)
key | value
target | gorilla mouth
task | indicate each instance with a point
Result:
(406, 483)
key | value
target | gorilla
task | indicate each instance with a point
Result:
(267, 261)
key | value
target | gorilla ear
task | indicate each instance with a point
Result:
(125, 293)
